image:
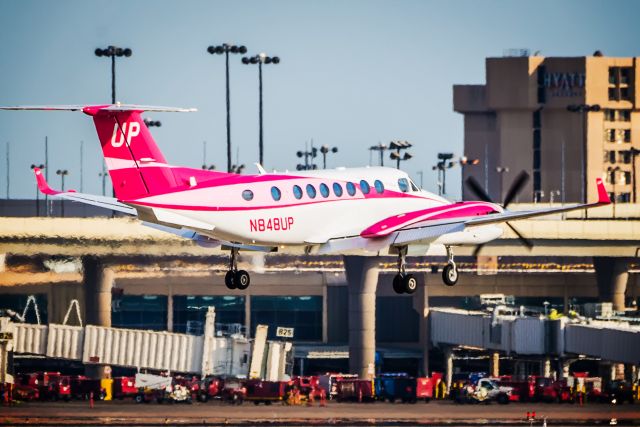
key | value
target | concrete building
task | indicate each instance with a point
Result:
(564, 120)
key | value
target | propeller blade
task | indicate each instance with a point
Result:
(477, 250)
(476, 189)
(526, 242)
(516, 188)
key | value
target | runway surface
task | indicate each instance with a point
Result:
(217, 413)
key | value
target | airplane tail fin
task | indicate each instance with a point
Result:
(136, 165)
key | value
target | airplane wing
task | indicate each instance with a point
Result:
(409, 227)
(89, 199)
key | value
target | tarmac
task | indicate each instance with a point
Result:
(445, 413)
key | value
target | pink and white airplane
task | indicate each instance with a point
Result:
(371, 210)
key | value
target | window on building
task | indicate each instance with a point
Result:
(247, 195)
(303, 313)
(626, 177)
(610, 135)
(626, 135)
(393, 311)
(311, 191)
(324, 190)
(609, 115)
(609, 157)
(189, 311)
(624, 157)
(275, 193)
(337, 189)
(364, 187)
(17, 303)
(625, 94)
(140, 312)
(612, 175)
(297, 192)
(351, 188)
(613, 75)
(624, 115)
(624, 198)
(403, 184)
(378, 186)
(614, 94)
(625, 75)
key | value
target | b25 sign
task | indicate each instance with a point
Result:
(284, 332)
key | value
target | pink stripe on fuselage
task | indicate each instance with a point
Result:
(455, 210)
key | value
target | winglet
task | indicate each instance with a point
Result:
(603, 196)
(43, 186)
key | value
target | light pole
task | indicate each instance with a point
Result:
(41, 167)
(324, 150)
(443, 164)
(583, 109)
(307, 154)
(62, 173)
(260, 59)
(103, 175)
(421, 176)
(464, 162)
(501, 171)
(219, 50)
(380, 148)
(113, 52)
(399, 145)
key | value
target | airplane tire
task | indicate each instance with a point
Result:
(398, 285)
(241, 279)
(450, 275)
(229, 280)
(410, 284)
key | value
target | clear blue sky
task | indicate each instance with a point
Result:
(352, 73)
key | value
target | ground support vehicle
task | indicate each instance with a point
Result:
(210, 388)
(484, 391)
(267, 392)
(152, 387)
(83, 388)
(124, 387)
(424, 389)
(355, 390)
(392, 387)
(49, 386)
(23, 389)
(234, 391)
(522, 391)
(618, 391)
(329, 382)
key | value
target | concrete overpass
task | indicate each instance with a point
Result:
(607, 247)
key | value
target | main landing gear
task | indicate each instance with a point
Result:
(404, 283)
(236, 279)
(450, 271)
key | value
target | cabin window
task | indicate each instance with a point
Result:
(379, 187)
(275, 193)
(403, 183)
(311, 191)
(351, 188)
(247, 195)
(297, 192)
(324, 190)
(337, 189)
(364, 186)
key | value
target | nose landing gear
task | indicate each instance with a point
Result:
(450, 271)
(236, 279)
(404, 283)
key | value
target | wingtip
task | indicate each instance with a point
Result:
(603, 196)
(43, 186)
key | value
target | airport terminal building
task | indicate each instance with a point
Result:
(565, 120)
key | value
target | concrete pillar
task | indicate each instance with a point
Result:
(362, 280)
(618, 371)
(97, 281)
(566, 364)
(495, 364)
(612, 275)
(421, 306)
(448, 367)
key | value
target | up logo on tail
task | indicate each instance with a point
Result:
(118, 136)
